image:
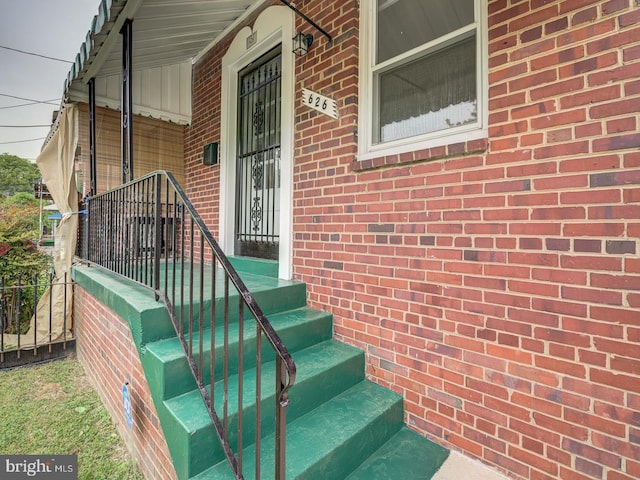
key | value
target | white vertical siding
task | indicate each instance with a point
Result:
(160, 92)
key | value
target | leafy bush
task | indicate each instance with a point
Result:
(20, 260)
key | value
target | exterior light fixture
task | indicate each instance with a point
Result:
(301, 43)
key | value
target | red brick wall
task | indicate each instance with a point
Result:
(106, 349)
(496, 283)
(203, 182)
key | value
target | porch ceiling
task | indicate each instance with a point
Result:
(165, 33)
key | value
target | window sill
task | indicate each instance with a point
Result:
(458, 149)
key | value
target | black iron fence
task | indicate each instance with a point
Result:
(148, 231)
(32, 328)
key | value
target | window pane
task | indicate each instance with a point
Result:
(432, 93)
(406, 24)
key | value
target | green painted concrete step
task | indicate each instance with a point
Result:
(324, 371)
(271, 294)
(340, 427)
(166, 362)
(406, 456)
(257, 266)
(331, 441)
(148, 318)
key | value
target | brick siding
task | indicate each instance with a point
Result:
(495, 284)
(106, 349)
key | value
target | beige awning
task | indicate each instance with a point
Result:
(56, 164)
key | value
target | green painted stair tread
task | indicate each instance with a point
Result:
(328, 361)
(275, 295)
(272, 295)
(260, 279)
(330, 441)
(259, 266)
(325, 370)
(297, 328)
(406, 456)
(255, 284)
(171, 348)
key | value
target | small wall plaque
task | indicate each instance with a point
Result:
(320, 103)
(252, 39)
(126, 404)
(210, 154)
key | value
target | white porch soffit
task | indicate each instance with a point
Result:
(167, 36)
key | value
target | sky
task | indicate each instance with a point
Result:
(52, 28)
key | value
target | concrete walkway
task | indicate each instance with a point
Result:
(459, 467)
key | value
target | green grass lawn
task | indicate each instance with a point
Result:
(52, 409)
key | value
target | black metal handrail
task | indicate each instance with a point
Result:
(148, 231)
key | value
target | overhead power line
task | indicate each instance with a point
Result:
(35, 54)
(35, 102)
(24, 126)
(48, 102)
(23, 141)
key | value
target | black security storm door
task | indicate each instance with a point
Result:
(257, 211)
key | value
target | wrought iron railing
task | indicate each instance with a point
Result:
(27, 323)
(148, 231)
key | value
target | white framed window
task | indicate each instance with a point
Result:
(423, 74)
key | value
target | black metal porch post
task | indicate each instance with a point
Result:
(93, 188)
(127, 102)
(93, 172)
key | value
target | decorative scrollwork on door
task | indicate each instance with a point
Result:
(258, 159)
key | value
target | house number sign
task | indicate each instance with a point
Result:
(320, 103)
